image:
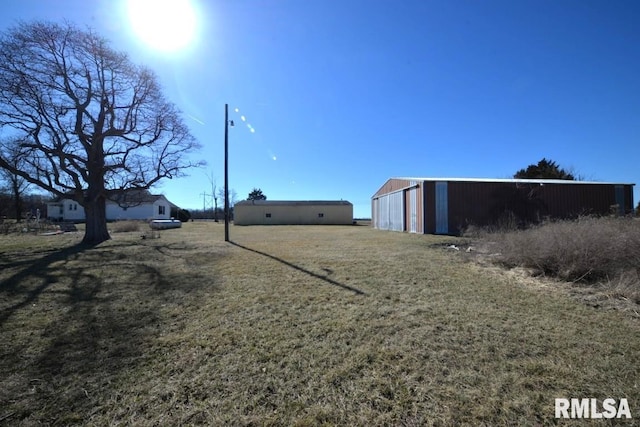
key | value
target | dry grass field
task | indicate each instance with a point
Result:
(293, 326)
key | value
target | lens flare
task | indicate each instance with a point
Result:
(249, 126)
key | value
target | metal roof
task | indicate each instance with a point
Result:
(128, 197)
(294, 202)
(513, 180)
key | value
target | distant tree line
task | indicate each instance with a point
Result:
(210, 214)
(26, 206)
(216, 209)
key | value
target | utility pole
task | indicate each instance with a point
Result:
(204, 206)
(204, 203)
(226, 172)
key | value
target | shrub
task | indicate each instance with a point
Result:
(507, 222)
(626, 285)
(5, 227)
(182, 215)
(587, 249)
(13, 227)
(125, 226)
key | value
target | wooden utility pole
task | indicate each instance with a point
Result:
(226, 172)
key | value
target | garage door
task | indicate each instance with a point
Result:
(389, 211)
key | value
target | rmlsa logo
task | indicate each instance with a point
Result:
(591, 408)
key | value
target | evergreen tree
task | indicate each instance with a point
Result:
(256, 194)
(545, 169)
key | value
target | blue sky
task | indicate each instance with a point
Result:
(344, 94)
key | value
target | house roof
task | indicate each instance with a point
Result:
(294, 203)
(134, 197)
(126, 198)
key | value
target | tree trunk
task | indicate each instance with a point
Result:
(96, 230)
(17, 201)
(95, 201)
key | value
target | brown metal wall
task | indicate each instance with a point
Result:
(483, 203)
(628, 200)
(419, 207)
(392, 185)
(429, 207)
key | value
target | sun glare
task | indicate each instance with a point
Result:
(166, 25)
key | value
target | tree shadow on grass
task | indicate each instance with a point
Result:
(78, 323)
(304, 270)
(37, 270)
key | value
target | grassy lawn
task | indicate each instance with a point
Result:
(292, 326)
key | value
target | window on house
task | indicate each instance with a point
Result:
(268, 215)
(320, 215)
(161, 210)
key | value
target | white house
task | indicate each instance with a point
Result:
(139, 205)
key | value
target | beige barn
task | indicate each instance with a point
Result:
(281, 212)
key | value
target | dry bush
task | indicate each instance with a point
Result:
(587, 249)
(626, 285)
(507, 222)
(125, 226)
(12, 227)
(5, 227)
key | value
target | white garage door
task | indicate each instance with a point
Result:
(389, 210)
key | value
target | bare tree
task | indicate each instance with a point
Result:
(233, 196)
(214, 196)
(15, 184)
(88, 123)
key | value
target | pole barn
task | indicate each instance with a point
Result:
(282, 212)
(448, 205)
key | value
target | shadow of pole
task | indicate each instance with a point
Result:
(304, 270)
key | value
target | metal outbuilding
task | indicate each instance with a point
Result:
(447, 205)
(295, 212)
